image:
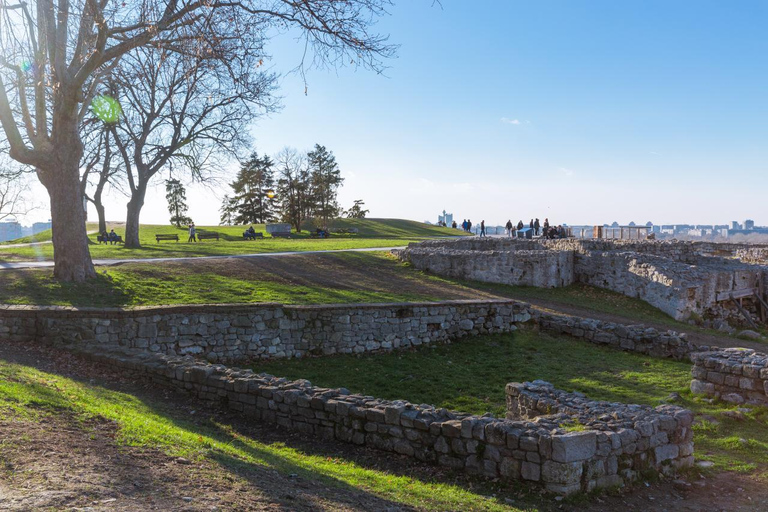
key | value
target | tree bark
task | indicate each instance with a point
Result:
(132, 221)
(71, 256)
(100, 212)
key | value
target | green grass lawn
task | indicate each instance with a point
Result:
(470, 376)
(373, 233)
(307, 279)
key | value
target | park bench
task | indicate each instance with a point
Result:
(281, 234)
(207, 236)
(168, 238)
(253, 236)
(106, 240)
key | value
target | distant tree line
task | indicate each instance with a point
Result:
(292, 187)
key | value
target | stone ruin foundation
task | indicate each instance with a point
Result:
(687, 280)
(561, 441)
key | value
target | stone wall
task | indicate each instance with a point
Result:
(242, 333)
(543, 269)
(609, 443)
(631, 338)
(735, 375)
(609, 451)
(683, 279)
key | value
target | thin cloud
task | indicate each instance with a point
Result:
(566, 171)
(655, 153)
(507, 120)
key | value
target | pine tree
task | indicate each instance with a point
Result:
(250, 202)
(324, 181)
(357, 211)
(177, 202)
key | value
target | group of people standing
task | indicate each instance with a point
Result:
(546, 230)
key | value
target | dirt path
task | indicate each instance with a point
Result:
(64, 464)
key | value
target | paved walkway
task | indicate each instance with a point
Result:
(49, 263)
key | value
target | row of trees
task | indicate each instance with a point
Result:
(293, 187)
(91, 90)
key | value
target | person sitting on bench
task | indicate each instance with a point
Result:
(250, 233)
(112, 237)
(321, 233)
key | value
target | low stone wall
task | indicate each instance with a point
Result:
(631, 338)
(610, 443)
(609, 452)
(263, 331)
(735, 375)
(543, 269)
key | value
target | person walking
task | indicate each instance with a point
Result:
(469, 225)
(192, 237)
(536, 227)
(509, 228)
(482, 227)
(520, 225)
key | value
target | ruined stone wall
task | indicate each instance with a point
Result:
(683, 279)
(610, 443)
(543, 269)
(610, 451)
(735, 375)
(631, 338)
(263, 331)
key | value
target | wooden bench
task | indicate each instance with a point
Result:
(106, 240)
(207, 236)
(253, 236)
(167, 238)
(279, 234)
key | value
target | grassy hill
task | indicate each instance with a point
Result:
(372, 233)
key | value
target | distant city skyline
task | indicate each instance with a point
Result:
(583, 112)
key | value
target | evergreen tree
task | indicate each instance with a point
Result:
(250, 202)
(324, 182)
(357, 211)
(177, 202)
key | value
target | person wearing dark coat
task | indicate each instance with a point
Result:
(509, 227)
(536, 227)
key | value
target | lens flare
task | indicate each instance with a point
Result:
(106, 108)
(25, 66)
(270, 194)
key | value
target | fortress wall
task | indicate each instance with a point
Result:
(543, 269)
(264, 331)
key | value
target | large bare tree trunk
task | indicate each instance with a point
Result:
(132, 220)
(71, 256)
(100, 212)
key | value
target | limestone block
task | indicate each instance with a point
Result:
(574, 446)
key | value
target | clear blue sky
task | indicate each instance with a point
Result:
(580, 111)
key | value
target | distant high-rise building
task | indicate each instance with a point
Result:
(447, 218)
(9, 230)
(749, 224)
(37, 227)
(735, 225)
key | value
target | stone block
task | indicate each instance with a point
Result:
(562, 473)
(530, 471)
(574, 446)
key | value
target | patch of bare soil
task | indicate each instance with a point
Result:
(62, 463)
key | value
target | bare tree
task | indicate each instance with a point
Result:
(56, 54)
(100, 168)
(184, 112)
(292, 186)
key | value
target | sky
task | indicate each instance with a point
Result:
(583, 112)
